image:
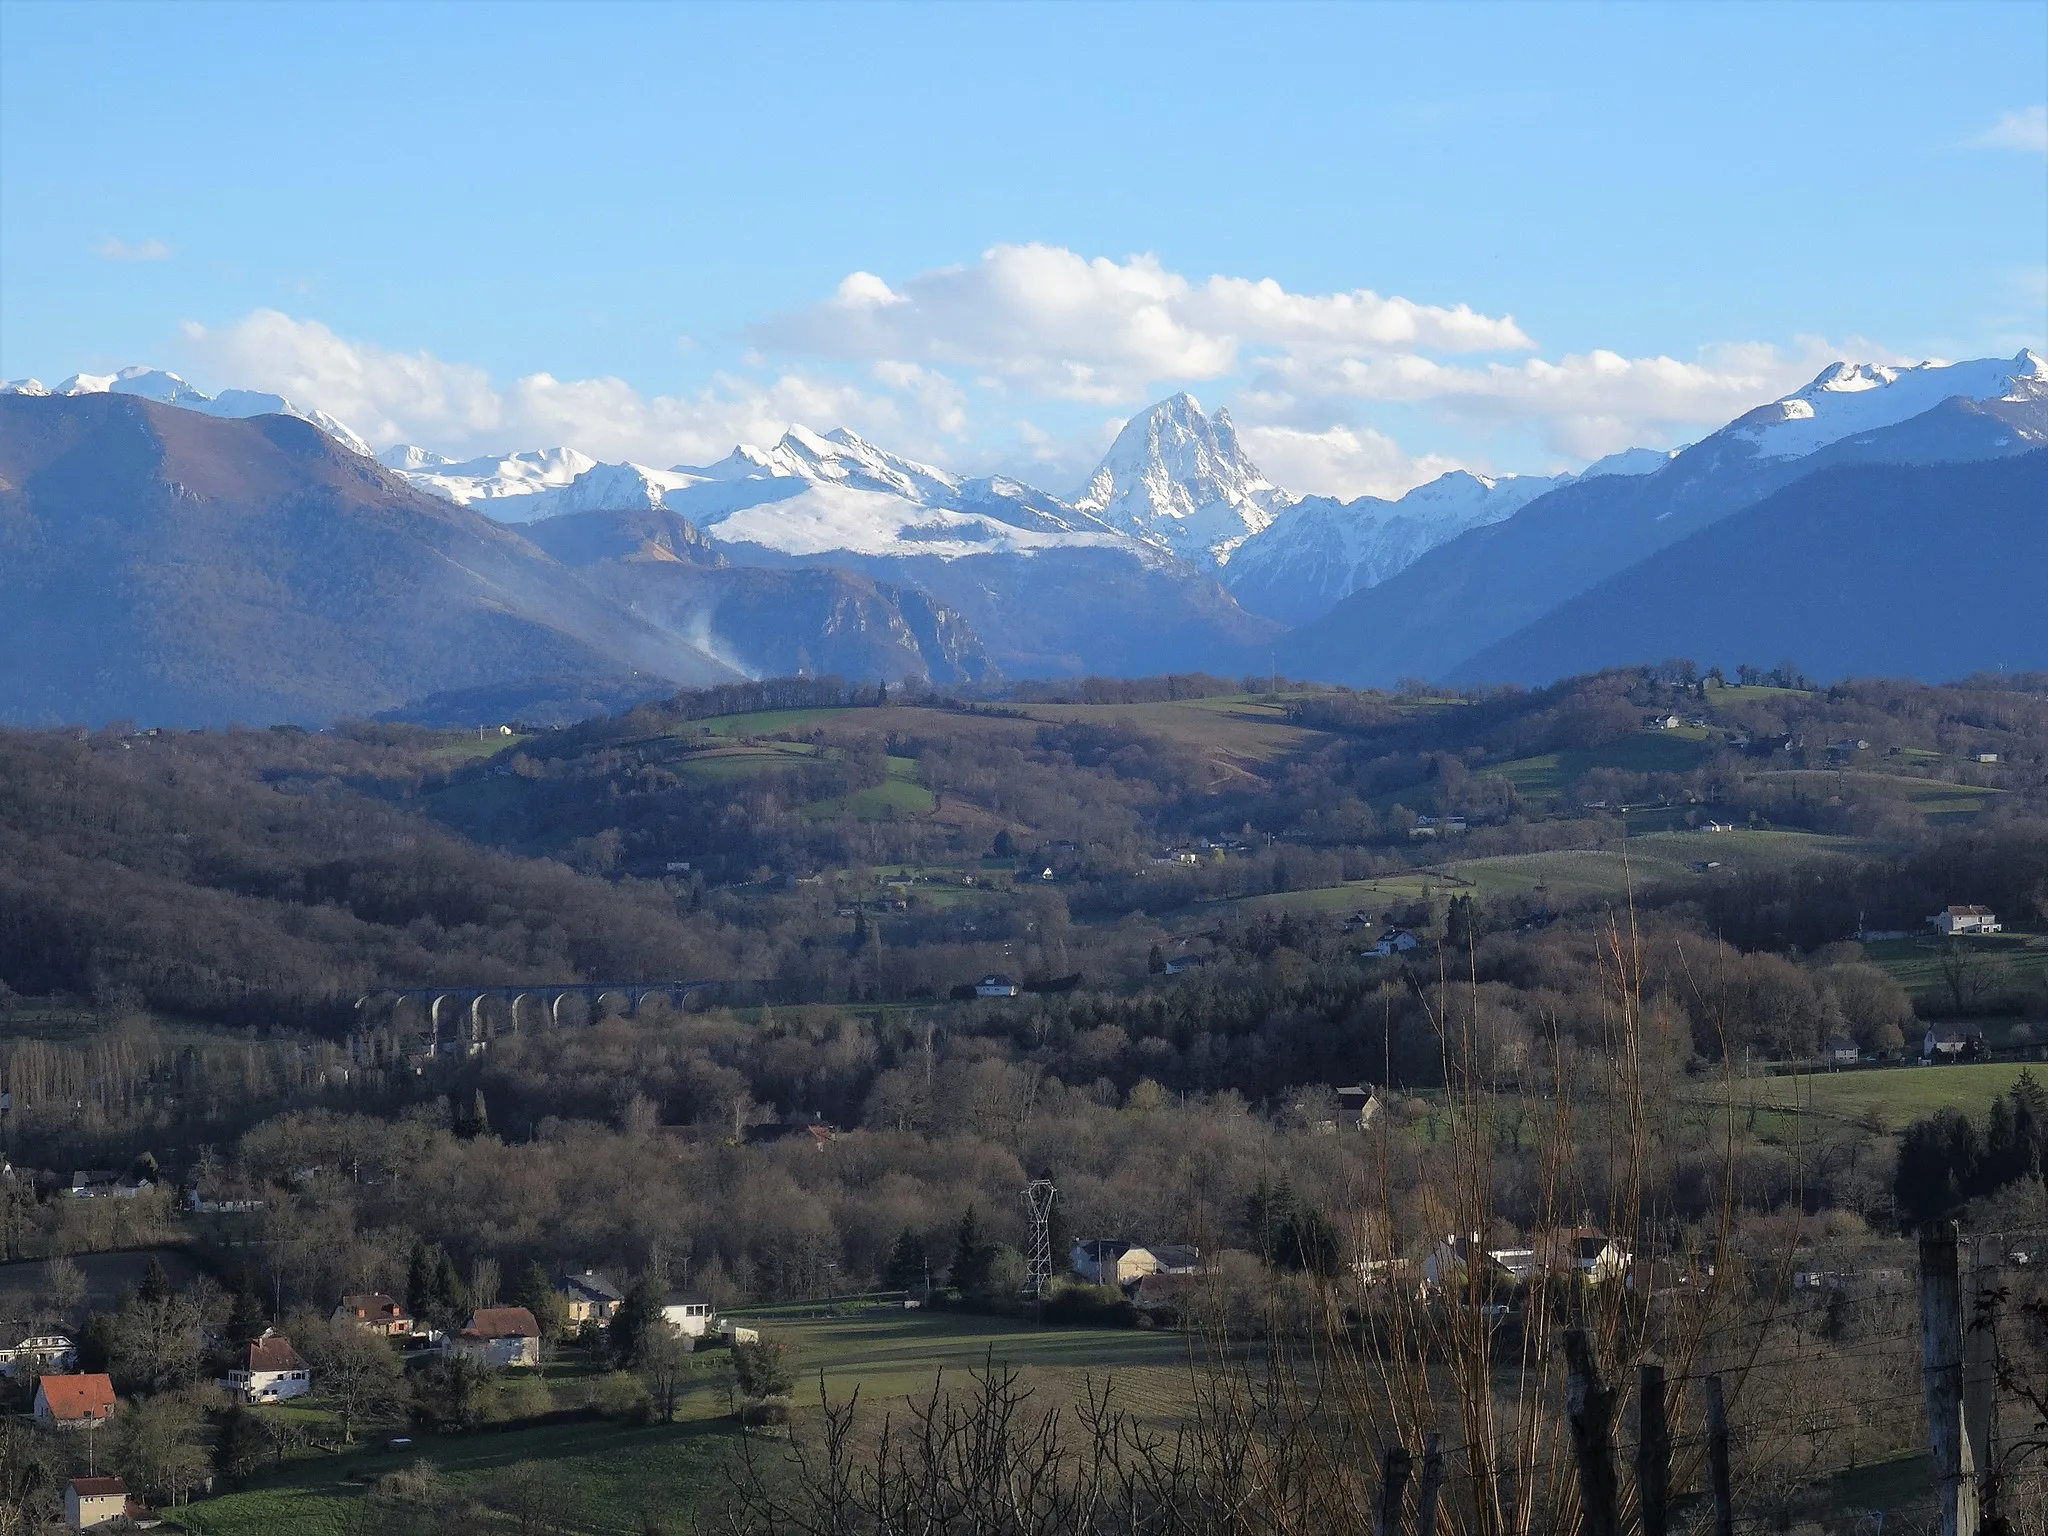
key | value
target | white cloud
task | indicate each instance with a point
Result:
(391, 397)
(1584, 404)
(2025, 130)
(1055, 323)
(1342, 461)
(111, 249)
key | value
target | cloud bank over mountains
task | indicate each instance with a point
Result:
(1032, 355)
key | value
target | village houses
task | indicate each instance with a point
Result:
(1952, 921)
(1106, 1261)
(501, 1336)
(74, 1402)
(269, 1371)
(589, 1297)
(101, 1503)
(374, 1313)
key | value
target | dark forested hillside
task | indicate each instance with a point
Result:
(164, 566)
(1926, 572)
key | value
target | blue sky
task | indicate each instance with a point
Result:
(985, 234)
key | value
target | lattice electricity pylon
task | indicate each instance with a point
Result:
(1039, 1195)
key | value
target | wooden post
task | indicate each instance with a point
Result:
(1432, 1487)
(1394, 1463)
(1653, 1449)
(1941, 1379)
(1589, 1408)
(1980, 1366)
(1717, 1459)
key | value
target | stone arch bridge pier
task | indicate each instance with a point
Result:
(462, 1021)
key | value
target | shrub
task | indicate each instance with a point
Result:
(620, 1395)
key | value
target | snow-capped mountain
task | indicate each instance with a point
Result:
(810, 494)
(488, 479)
(169, 389)
(1179, 479)
(1320, 549)
(1848, 398)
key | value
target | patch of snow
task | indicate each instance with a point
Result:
(34, 387)
(510, 478)
(1851, 398)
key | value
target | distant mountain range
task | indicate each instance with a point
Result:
(174, 556)
(1458, 611)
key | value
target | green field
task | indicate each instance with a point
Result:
(889, 1354)
(764, 723)
(2013, 959)
(612, 1475)
(898, 795)
(1656, 858)
(1903, 1093)
(1677, 751)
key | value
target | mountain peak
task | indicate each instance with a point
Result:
(1846, 398)
(1181, 480)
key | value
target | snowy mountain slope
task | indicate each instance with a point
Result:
(1848, 398)
(1320, 549)
(168, 389)
(1180, 480)
(488, 479)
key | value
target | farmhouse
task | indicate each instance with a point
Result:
(501, 1336)
(688, 1315)
(1357, 1107)
(1105, 1261)
(1582, 1250)
(1395, 941)
(92, 1503)
(590, 1297)
(1954, 920)
(270, 1371)
(374, 1313)
(74, 1402)
(1945, 1042)
(1844, 1053)
(36, 1354)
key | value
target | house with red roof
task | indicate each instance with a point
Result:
(74, 1402)
(501, 1336)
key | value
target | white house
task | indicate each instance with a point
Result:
(1844, 1053)
(1106, 1261)
(271, 1371)
(38, 1354)
(1944, 1042)
(1395, 941)
(501, 1336)
(995, 986)
(1954, 920)
(688, 1315)
(93, 1502)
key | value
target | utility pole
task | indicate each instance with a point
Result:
(1941, 1379)
(1589, 1409)
(1653, 1450)
(1717, 1459)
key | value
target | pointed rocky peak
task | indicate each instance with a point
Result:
(1182, 480)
